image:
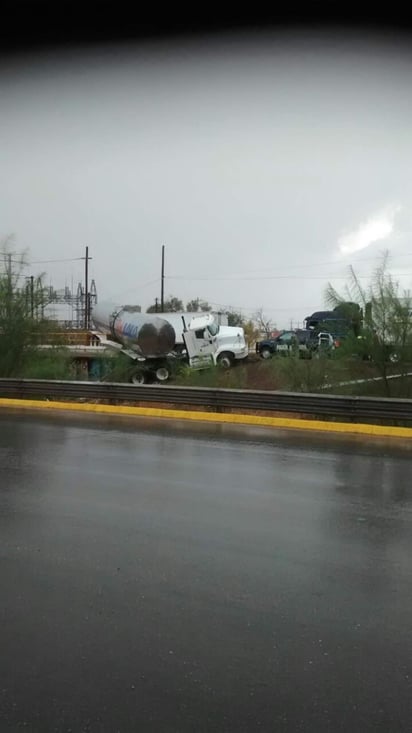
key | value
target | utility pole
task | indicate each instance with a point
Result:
(9, 304)
(86, 290)
(31, 296)
(162, 291)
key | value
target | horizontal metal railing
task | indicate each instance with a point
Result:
(338, 407)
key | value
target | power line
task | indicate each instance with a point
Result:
(330, 262)
(252, 309)
(247, 276)
(25, 263)
(275, 277)
(15, 262)
(141, 286)
(48, 262)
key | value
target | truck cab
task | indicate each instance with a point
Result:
(230, 345)
(199, 337)
(205, 340)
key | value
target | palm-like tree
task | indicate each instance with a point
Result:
(385, 312)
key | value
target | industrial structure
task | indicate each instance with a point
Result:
(68, 308)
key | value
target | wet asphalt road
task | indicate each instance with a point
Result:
(159, 577)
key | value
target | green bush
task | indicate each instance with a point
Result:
(50, 364)
(303, 375)
(117, 368)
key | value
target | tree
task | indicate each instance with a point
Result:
(234, 318)
(252, 333)
(21, 312)
(353, 314)
(171, 305)
(385, 335)
(197, 304)
(264, 324)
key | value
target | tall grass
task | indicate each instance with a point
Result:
(51, 364)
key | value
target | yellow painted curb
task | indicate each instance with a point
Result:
(214, 417)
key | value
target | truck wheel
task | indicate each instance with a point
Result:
(225, 360)
(162, 374)
(139, 378)
(394, 357)
(266, 353)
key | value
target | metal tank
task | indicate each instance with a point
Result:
(175, 320)
(148, 335)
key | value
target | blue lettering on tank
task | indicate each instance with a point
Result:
(130, 330)
(126, 329)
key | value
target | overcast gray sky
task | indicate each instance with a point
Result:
(265, 164)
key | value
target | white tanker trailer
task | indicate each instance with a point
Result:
(156, 343)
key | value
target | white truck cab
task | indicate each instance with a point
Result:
(204, 337)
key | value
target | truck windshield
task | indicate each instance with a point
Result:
(213, 328)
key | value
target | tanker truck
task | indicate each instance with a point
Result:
(230, 340)
(158, 343)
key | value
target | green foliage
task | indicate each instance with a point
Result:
(174, 305)
(353, 314)
(280, 373)
(252, 333)
(306, 375)
(117, 368)
(214, 376)
(386, 332)
(171, 305)
(50, 364)
(198, 305)
(22, 326)
(234, 318)
(197, 378)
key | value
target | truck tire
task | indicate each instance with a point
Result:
(162, 374)
(139, 378)
(225, 360)
(266, 353)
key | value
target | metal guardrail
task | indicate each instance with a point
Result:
(341, 407)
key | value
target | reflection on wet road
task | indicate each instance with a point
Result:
(160, 577)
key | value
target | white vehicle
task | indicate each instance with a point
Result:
(230, 345)
(156, 341)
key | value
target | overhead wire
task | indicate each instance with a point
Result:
(307, 265)
(48, 262)
(141, 286)
(272, 277)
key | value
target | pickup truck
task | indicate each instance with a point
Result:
(307, 342)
